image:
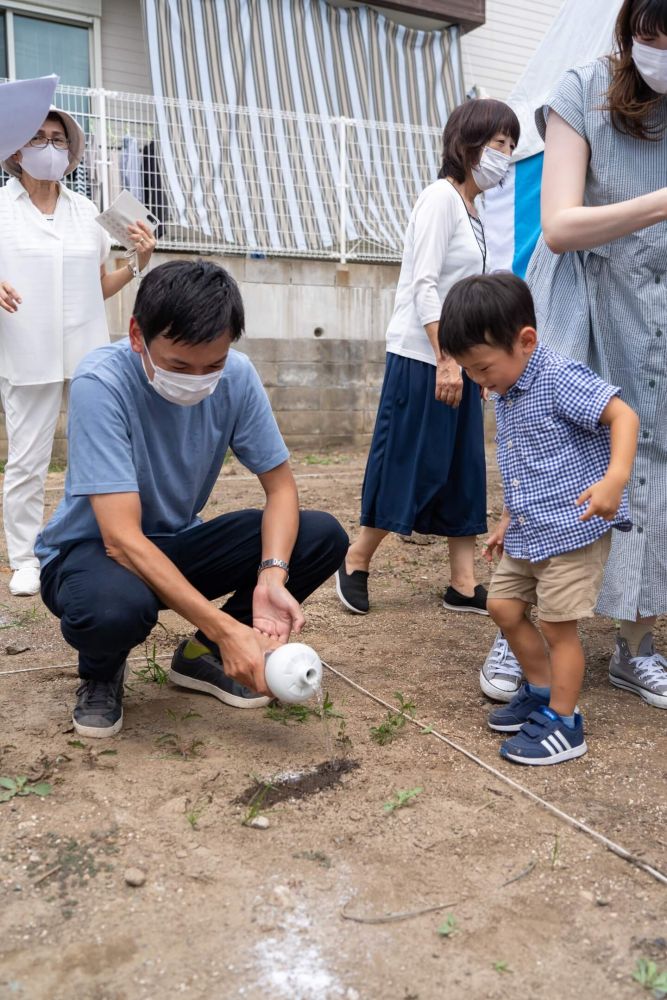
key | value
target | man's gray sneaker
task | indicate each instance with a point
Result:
(99, 707)
(501, 676)
(205, 673)
(644, 674)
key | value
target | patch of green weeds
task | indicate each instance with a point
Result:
(179, 748)
(448, 927)
(388, 730)
(648, 975)
(401, 799)
(256, 802)
(193, 815)
(425, 730)
(152, 672)
(76, 743)
(342, 740)
(24, 619)
(284, 714)
(20, 786)
(501, 966)
(182, 717)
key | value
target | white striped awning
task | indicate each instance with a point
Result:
(293, 126)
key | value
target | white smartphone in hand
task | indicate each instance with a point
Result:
(125, 211)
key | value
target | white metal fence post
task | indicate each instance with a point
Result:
(342, 188)
(101, 108)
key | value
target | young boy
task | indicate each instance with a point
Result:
(566, 444)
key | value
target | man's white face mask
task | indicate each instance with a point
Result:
(179, 388)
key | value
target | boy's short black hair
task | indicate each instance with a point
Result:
(485, 309)
(191, 301)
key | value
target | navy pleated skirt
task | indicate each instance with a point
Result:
(425, 470)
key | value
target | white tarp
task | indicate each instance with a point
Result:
(582, 31)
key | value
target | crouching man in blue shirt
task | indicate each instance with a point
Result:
(150, 422)
(566, 444)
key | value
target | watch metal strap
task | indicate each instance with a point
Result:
(269, 563)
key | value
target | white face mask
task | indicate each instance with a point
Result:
(176, 387)
(491, 169)
(651, 65)
(47, 164)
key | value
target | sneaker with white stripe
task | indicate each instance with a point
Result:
(545, 739)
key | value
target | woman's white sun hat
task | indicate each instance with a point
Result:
(75, 135)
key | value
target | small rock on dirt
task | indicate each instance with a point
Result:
(134, 877)
(259, 823)
(16, 650)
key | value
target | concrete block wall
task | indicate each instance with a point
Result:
(315, 331)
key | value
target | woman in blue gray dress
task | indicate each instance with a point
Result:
(599, 278)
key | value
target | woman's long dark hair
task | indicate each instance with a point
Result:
(469, 128)
(630, 100)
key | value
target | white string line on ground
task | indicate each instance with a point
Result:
(57, 666)
(610, 845)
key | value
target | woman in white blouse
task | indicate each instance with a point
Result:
(425, 471)
(53, 284)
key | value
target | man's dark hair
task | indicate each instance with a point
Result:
(469, 128)
(485, 309)
(191, 301)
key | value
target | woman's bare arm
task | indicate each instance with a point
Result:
(566, 223)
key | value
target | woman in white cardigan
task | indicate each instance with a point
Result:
(425, 470)
(53, 284)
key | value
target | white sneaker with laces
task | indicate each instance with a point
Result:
(25, 582)
(501, 676)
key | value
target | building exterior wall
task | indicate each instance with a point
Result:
(124, 54)
(323, 388)
(495, 55)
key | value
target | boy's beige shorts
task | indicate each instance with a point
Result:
(564, 588)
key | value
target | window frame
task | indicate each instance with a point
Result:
(10, 8)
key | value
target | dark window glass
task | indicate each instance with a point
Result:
(43, 47)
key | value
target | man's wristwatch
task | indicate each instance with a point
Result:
(269, 563)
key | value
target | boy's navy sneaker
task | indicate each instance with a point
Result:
(204, 672)
(99, 706)
(510, 718)
(455, 601)
(545, 739)
(352, 589)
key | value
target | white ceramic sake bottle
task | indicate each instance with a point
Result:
(293, 672)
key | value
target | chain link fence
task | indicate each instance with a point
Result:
(247, 181)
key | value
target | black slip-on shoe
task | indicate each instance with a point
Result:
(99, 707)
(454, 601)
(205, 673)
(352, 589)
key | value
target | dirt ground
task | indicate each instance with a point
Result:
(527, 906)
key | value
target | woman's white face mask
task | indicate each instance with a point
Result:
(651, 65)
(179, 388)
(47, 164)
(491, 169)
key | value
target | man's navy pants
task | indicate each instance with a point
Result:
(105, 610)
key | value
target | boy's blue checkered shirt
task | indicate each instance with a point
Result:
(551, 447)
